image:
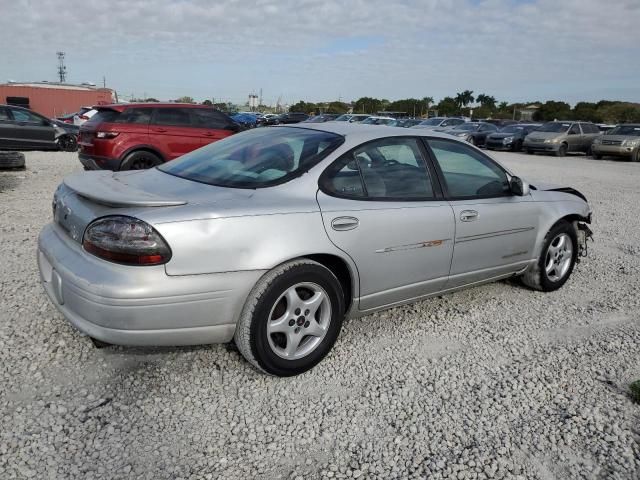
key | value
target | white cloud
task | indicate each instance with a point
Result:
(509, 48)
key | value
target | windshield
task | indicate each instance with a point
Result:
(468, 127)
(256, 158)
(630, 130)
(555, 127)
(370, 121)
(343, 118)
(511, 129)
(432, 121)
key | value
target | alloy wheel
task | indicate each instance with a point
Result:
(559, 257)
(299, 321)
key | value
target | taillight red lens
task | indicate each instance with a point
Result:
(126, 240)
(106, 134)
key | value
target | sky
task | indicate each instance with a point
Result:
(323, 50)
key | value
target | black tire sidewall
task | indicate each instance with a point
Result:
(562, 227)
(259, 343)
(130, 159)
(562, 150)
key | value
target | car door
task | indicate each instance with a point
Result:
(380, 205)
(495, 231)
(211, 125)
(574, 138)
(173, 132)
(31, 131)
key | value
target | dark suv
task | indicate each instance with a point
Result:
(138, 136)
(292, 117)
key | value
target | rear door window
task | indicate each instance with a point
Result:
(208, 118)
(103, 116)
(139, 115)
(4, 114)
(176, 117)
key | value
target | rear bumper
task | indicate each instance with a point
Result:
(95, 162)
(139, 305)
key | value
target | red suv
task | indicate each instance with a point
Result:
(141, 135)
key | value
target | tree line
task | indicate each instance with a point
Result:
(483, 106)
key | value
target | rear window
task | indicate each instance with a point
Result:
(257, 158)
(103, 116)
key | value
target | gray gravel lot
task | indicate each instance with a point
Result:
(493, 382)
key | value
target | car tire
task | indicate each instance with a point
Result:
(67, 143)
(140, 160)
(596, 156)
(562, 150)
(517, 147)
(557, 259)
(529, 151)
(635, 157)
(11, 160)
(266, 343)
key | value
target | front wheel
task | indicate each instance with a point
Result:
(596, 156)
(291, 319)
(562, 150)
(556, 261)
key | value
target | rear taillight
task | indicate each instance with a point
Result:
(106, 134)
(83, 117)
(126, 240)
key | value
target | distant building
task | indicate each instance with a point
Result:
(527, 113)
(54, 99)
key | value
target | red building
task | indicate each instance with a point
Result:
(54, 99)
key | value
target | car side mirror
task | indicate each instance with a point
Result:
(519, 187)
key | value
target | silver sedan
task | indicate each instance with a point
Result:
(273, 236)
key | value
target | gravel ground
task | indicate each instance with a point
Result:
(493, 382)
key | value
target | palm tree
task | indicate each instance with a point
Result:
(464, 98)
(486, 100)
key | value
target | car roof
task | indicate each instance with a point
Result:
(363, 133)
(121, 106)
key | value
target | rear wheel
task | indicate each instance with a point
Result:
(67, 143)
(635, 157)
(596, 156)
(140, 160)
(291, 319)
(517, 146)
(529, 151)
(562, 150)
(556, 261)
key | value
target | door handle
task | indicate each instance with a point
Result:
(344, 223)
(468, 215)
(160, 130)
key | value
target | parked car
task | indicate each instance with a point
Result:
(561, 138)
(498, 122)
(271, 237)
(246, 120)
(136, 136)
(325, 117)
(510, 137)
(79, 117)
(376, 120)
(473, 132)
(352, 117)
(604, 127)
(440, 122)
(292, 117)
(268, 119)
(621, 141)
(405, 122)
(24, 129)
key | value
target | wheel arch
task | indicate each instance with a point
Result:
(341, 269)
(142, 148)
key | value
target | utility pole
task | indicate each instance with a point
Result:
(104, 82)
(62, 70)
